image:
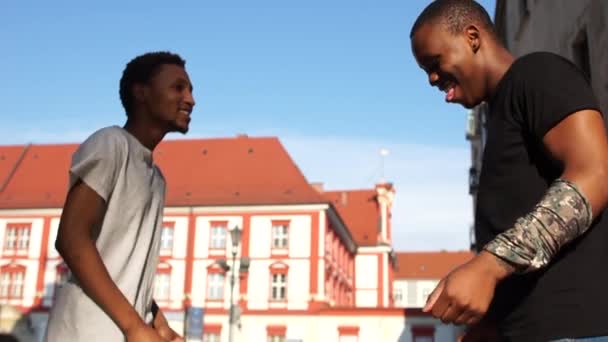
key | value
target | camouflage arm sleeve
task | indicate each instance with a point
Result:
(560, 217)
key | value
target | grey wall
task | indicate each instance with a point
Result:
(560, 26)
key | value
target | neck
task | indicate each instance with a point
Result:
(148, 135)
(501, 62)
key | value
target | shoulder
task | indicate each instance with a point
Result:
(112, 136)
(108, 141)
(544, 66)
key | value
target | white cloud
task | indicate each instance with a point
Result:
(432, 208)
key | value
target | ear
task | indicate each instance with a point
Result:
(138, 92)
(473, 37)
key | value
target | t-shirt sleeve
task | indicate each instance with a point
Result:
(98, 161)
(552, 89)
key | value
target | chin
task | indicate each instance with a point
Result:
(470, 104)
(180, 126)
(183, 129)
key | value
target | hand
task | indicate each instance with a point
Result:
(464, 295)
(164, 330)
(143, 333)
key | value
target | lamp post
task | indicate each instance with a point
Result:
(235, 237)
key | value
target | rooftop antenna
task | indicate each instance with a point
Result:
(383, 153)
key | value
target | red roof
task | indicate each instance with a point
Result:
(9, 155)
(360, 212)
(40, 179)
(232, 171)
(228, 171)
(429, 265)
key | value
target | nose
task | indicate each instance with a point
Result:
(189, 98)
(433, 79)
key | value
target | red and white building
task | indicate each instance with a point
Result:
(321, 263)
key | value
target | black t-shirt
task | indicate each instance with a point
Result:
(569, 298)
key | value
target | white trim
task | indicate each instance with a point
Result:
(374, 249)
(259, 208)
(31, 212)
(386, 297)
(177, 210)
(168, 210)
(321, 261)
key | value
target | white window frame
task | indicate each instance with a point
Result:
(280, 236)
(278, 283)
(218, 240)
(216, 286)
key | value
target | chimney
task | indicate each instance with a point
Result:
(344, 198)
(318, 186)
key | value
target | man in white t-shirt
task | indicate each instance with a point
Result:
(109, 234)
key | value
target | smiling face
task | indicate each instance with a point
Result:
(452, 62)
(167, 98)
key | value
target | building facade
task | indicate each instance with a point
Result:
(309, 265)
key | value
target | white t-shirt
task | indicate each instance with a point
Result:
(120, 169)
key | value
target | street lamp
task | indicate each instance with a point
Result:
(235, 237)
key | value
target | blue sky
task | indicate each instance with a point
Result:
(334, 80)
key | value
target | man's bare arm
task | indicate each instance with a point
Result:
(79, 228)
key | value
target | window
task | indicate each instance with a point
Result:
(17, 237)
(162, 286)
(280, 237)
(211, 337)
(349, 297)
(212, 333)
(166, 237)
(276, 333)
(397, 296)
(328, 243)
(278, 283)
(331, 291)
(425, 294)
(162, 283)
(218, 235)
(11, 282)
(279, 286)
(5, 284)
(215, 286)
(348, 333)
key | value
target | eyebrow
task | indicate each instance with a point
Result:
(184, 80)
(426, 60)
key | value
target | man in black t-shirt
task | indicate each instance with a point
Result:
(540, 274)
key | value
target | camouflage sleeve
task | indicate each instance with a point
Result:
(560, 217)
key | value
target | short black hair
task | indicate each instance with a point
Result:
(140, 70)
(455, 15)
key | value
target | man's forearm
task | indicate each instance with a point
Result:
(85, 263)
(561, 216)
